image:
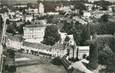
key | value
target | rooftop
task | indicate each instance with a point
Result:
(15, 37)
(35, 25)
(43, 46)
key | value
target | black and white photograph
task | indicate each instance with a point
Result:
(57, 36)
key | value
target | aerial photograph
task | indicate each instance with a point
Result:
(57, 36)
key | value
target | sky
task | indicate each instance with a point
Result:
(34, 1)
(106, 0)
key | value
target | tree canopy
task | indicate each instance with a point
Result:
(51, 35)
(79, 31)
(103, 4)
(106, 26)
(1, 22)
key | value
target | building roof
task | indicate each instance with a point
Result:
(36, 45)
(43, 46)
(35, 25)
(15, 37)
(83, 47)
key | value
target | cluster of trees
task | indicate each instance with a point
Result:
(51, 35)
(56, 61)
(1, 22)
(13, 28)
(103, 26)
(104, 4)
(9, 61)
(79, 31)
(106, 57)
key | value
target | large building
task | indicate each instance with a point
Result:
(34, 33)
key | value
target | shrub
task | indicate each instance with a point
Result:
(56, 61)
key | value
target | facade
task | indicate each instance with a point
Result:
(34, 33)
(79, 52)
(44, 50)
(28, 18)
(14, 42)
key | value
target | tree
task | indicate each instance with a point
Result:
(51, 35)
(104, 4)
(3, 10)
(9, 61)
(11, 28)
(106, 26)
(104, 18)
(85, 35)
(57, 61)
(93, 55)
(76, 28)
(1, 22)
(7, 21)
(68, 25)
(11, 53)
(29, 5)
(80, 6)
(105, 54)
(77, 31)
(112, 45)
